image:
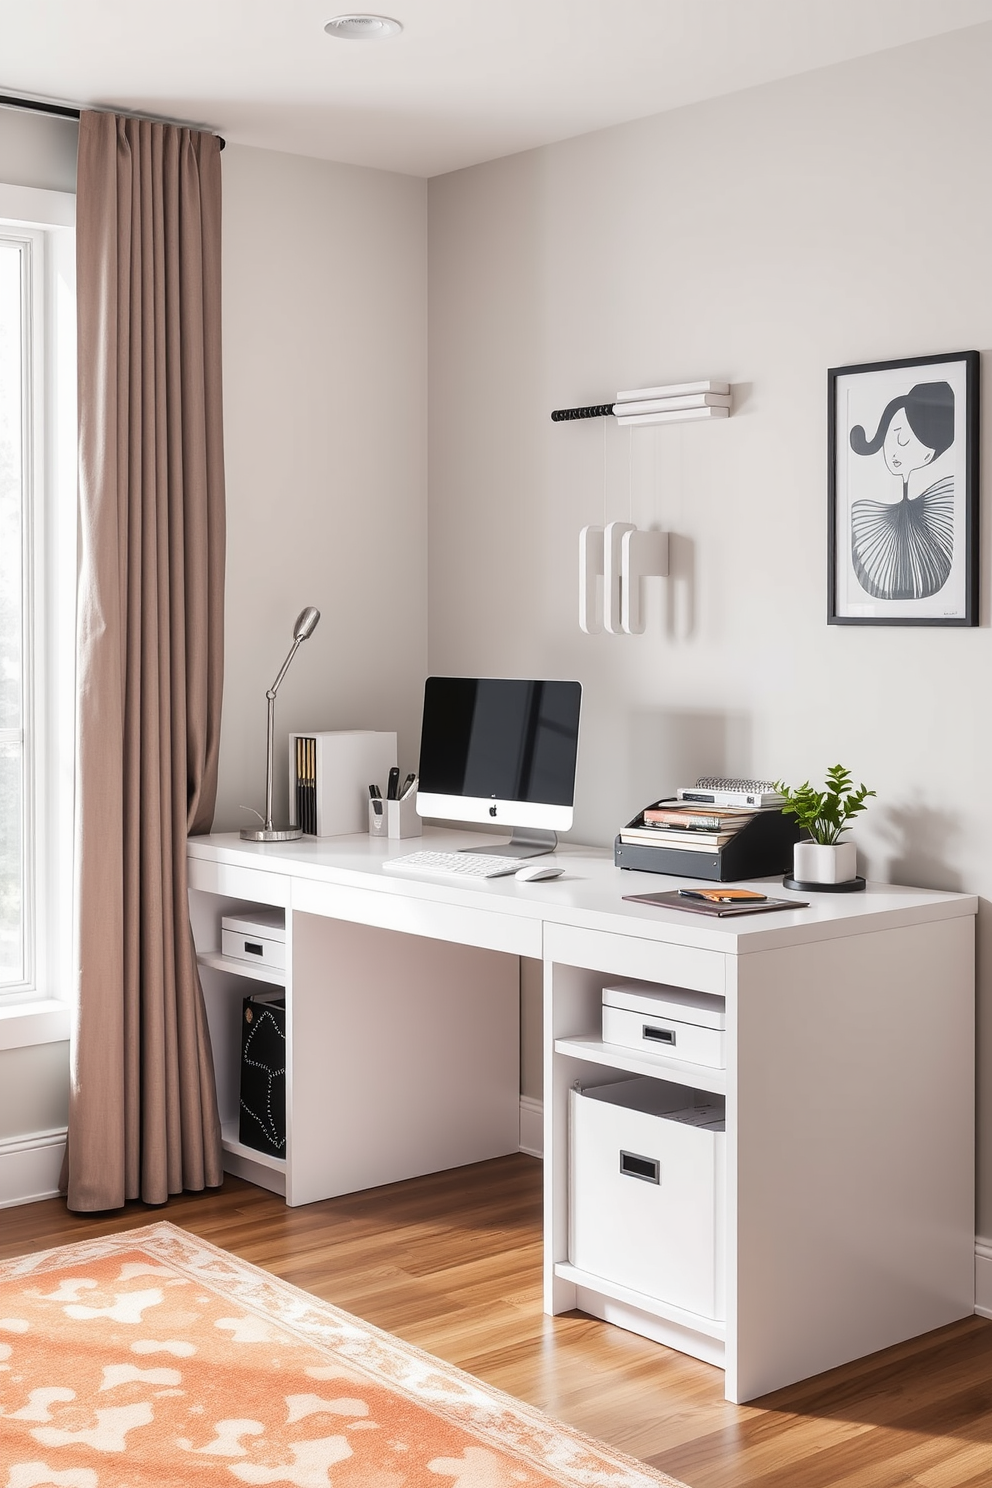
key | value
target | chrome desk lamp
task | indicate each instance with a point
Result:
(306, 624)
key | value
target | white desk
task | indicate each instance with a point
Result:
(849, 1080)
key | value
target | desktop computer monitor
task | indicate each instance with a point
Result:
(501, 750)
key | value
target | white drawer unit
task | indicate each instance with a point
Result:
(259, 936)
(667, 1020)
(647, 1191)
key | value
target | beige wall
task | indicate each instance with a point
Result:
(839, 217)
(37, 151)
(325, 366)
(34, 1089)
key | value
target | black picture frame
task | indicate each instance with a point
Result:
(906, 557)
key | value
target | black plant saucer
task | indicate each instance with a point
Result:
(849, 886)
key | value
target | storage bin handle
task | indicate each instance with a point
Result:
(658, 1035)
(648, 1169)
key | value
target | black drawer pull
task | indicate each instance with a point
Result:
(254, 948)
(648, 1169)
(658, 1035)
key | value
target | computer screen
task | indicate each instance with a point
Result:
(500, 750)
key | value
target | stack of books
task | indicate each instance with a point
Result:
(676, 403)
(689, 828)
(689, 824)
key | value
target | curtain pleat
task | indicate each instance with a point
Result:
(143, 1112)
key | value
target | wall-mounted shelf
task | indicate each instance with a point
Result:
(620, 555)
(677, 403)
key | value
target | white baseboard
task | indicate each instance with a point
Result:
(531, 1126)
(983, 1277)
(30, 1167)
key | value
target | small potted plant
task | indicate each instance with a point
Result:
(822, 815)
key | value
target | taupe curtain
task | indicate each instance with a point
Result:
(143, 1113)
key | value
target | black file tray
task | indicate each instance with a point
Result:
(761, 848)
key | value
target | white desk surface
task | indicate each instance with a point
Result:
(590, 892)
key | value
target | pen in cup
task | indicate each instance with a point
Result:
(392, 783)
(375, 796)
(407, 786)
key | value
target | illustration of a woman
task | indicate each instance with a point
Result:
(904, 549)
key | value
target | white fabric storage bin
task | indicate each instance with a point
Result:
(647, 1190)
(259, 935)
(667, 1020)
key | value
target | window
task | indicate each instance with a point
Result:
(37, 586)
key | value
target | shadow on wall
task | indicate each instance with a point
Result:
(921, 840)
(680, 588)
(670, 748)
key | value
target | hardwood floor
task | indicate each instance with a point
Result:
(452, 1263)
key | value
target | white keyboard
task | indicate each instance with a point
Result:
(452, 865)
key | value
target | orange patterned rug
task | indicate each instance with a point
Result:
(151, 1357)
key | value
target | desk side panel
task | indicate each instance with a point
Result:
(403, 1057)
(854, 1116)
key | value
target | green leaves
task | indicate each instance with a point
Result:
(825, 814)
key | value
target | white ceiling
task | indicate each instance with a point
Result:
(468, 80)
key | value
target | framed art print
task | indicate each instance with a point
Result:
(902, 491)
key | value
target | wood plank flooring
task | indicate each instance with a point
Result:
(452, 1263)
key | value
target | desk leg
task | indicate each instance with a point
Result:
(403, 1057)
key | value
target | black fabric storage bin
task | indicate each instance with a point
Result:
(262, 1123)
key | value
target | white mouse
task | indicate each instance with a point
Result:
(531, 871)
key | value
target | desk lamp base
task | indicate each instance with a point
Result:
(271, 834)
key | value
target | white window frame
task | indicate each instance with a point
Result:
(44, 222)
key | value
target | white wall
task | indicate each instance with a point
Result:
(325, 366)
(839, 217)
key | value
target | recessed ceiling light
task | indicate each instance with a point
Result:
(363, 27)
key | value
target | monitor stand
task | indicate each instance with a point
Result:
(525, 842)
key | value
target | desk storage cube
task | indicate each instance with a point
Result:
(667, 1020)
(262, 1117)
(646, 1190)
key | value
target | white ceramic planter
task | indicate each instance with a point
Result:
(815, 863)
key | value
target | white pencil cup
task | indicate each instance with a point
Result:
(395, 818)
(401, 817)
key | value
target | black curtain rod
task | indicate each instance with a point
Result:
(57, 110)
(60, 109)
